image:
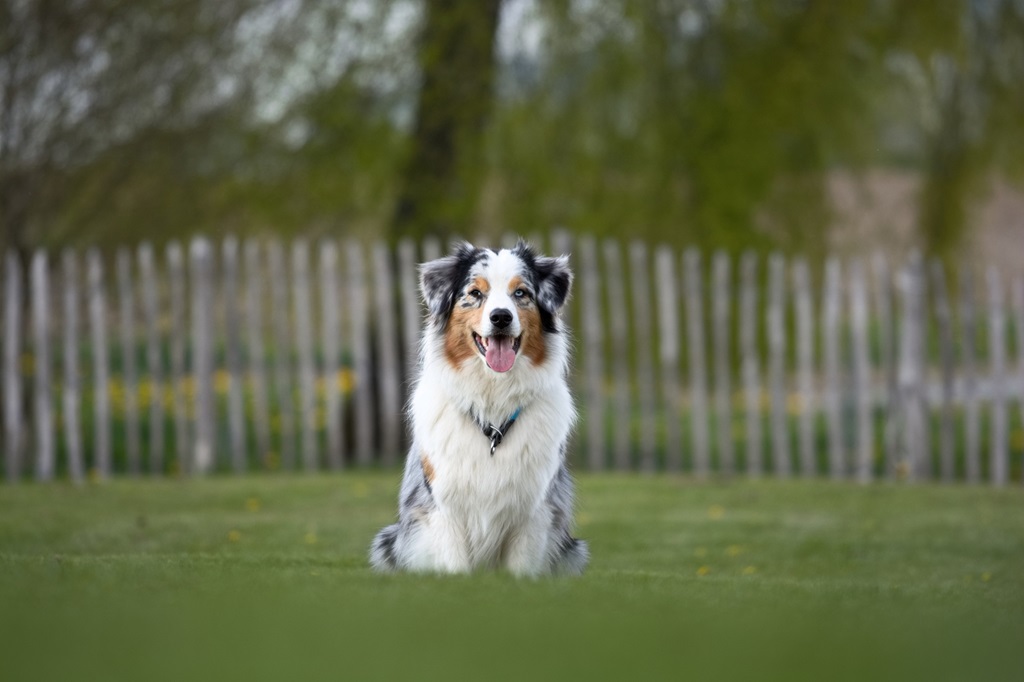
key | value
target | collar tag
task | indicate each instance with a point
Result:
(497, 433)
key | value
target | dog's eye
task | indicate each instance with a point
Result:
(476, 293)
(520, 293)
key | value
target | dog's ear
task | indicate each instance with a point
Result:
(441, 280)
(554, 279)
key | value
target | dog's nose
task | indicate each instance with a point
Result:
(501, 318)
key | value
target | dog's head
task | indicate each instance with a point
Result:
(495, 305)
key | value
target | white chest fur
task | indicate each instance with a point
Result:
(487, 497)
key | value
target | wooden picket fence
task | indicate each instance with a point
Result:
(265, 355)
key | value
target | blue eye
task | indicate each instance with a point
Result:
(519, 293)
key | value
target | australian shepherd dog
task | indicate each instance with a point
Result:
(486, 485)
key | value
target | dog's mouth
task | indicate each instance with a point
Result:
(499, 351)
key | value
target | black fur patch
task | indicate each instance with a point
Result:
(551, 280)
(386, 545)
(443, 279)
(567, 543)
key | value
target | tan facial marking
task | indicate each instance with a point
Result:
(532, 345)
(428, 468)
(458, 339)
(481, 284)
(514, 284)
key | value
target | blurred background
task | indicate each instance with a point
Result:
(806, 126)
(252, 183)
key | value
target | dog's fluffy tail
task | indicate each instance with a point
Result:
(382, 552)
(573, 556)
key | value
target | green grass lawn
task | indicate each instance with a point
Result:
(266, 578)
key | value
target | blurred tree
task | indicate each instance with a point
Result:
(692, 122)
(439, 183)
(78, 79)
(971, 93)
(310, 144)
(716, 123)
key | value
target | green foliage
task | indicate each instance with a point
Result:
(714, 124)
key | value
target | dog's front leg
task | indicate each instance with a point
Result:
(440, 546)
(526, 554)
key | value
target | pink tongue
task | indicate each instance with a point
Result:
(500, 356)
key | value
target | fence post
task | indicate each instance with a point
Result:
(72, 385)
(1018, 307)
(329, 338)
(912, 398)
(129, 377)
(831, 318)
(642, 337)
(777, 350)
(410, 301)
(668, 330)
(721, 299)
(944, 320)
(387, 355)
(805, 364)
(154, 357)
(997, 372)
(178, 335)
(256, 355)
(202, 356)
(281, 323)
(233, 355)
(694, 295)
(864, 445)
(972, 427)
(44, 444)
(101, 371)
(887, 351)
(304, 349)
(13, 445)
(622, 438)
(593, 352)
(431, 249)
(362, 394)
(751, 366)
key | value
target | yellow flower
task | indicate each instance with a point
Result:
(986, 576)
(167, 397)
(703, 571)
(310, 538)
(221, 382)
(750, 570)
(145, 391)
(253, 504)
(716, 512)
(234, 535)
(346, 380)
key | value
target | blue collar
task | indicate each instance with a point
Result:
(497, 433)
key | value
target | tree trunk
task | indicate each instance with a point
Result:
(943, 224)
(440, 181)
